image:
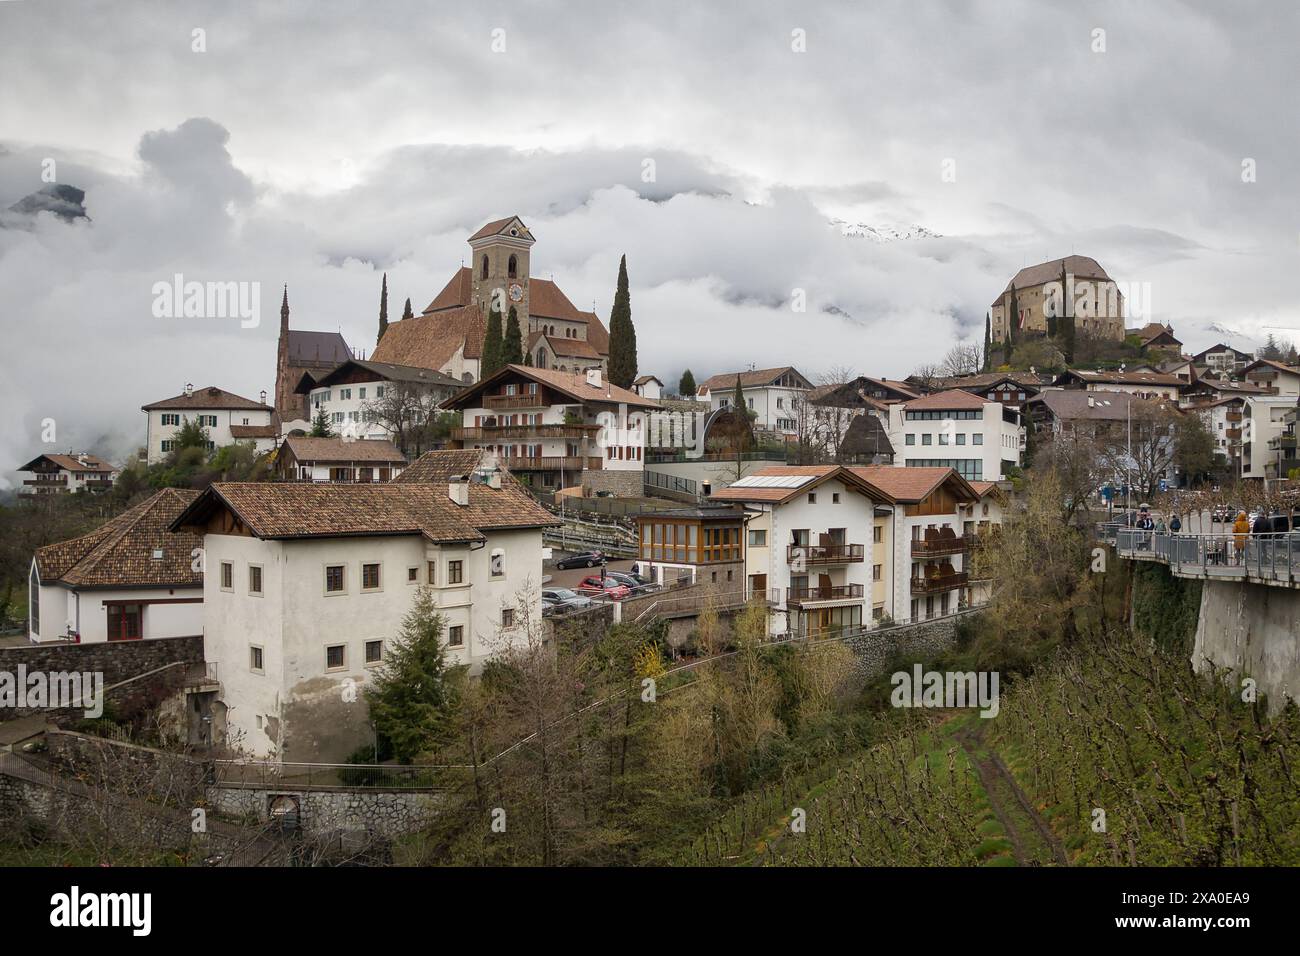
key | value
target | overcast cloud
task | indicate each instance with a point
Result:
(322, 144)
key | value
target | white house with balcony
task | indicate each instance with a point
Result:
(980, 439)
(367, 400)
(228, 418)
(307, 586)
(305, 458)
(558, 429)
(65, 474)
(809, 545)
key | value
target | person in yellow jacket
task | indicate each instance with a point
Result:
(1240, 533)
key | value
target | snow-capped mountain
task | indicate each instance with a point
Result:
(883, 232)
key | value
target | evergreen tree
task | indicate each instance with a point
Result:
(416, 690)
(512, 345)
(1066, 321)
(383, 311)
(622, 334)
(320, 425)
(492, 345)
(738, 398)
(191, 435)
(1270, 349)
(686, 386)
(988, 341)
(407, 313)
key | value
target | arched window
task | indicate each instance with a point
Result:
(485, 266)
(541, 358)
(510, 270)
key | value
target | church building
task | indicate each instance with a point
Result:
(448, 335)
(302, 353)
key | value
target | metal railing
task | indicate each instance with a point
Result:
(675, 483)
(797, 597)
(1271, 556)
(825, 553)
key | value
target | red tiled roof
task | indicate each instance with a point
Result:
(572, 384)
(120, 553)
(254, 431)
(307, 448)
(755, 378)
(911, 484)
(431, 340)
(817, 474)
(70, 463)
(1081, 267)
(953, 399)
(206, 398)
(496, 227)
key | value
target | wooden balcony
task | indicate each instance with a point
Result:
(801, 597)
(525, 432)
(50, 482)
(825, 554)
(939, 582)
(553, 463)
(1232, 433)
(534, 400)
(942, 544)
(1232, 416)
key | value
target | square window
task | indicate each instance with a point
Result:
(334, 579)
(370, 577)
(454, 572)
(412, 575)
(374, 652)
(336, 657)
(925, 439)
(254, 579)
(227, 576)
(507, 617)
(456, 635)
(255, 660)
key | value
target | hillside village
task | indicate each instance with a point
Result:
(502, 465)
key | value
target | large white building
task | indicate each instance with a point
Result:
(228, 418)
(771, 394)
(1265, 420)
(558, 429)
(127, 580)
(809, 544)
(982, 440)
(373, 400)
(307, 586)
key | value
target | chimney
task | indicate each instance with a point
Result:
(189, 389)
(494, 478)
(263, 398)
(458, 490)
(593, 377)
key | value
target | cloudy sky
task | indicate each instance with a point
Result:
(322, 144)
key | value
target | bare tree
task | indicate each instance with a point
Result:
(962, 360)
(409, 413)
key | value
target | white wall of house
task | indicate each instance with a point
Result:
(1263, 419)
(85, 612)
(976, 447)
(295, 620)
(319, 471)
(774, 407)
(162, 426)
(620, 443)
(1141, 389)
(346, 408)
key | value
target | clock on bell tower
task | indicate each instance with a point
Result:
(499, 268)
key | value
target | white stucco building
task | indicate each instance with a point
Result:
(65, 474)
(956, 429)
(228, 418)
(364, 399)
(307, 586)
(130, 579)
(771, 394)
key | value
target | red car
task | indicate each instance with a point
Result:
(609, 588)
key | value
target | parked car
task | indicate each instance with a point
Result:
(633, 582)
(565, 599)
(607, 588)
(583, 559)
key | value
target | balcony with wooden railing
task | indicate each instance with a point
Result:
(1233, 434)
(527, 400)
(825, 554)
(47, 481)
(552, 463)
(802, 597)
(525, 432)
(1233, 416)
(939, 582)
(936, 543)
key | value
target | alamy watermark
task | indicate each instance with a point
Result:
(951, 689)
(42, 690)
(180, 299)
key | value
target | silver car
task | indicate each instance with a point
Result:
(565, 599)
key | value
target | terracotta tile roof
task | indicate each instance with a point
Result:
(1272, 364)
(912, 484)
(208, 398)
(455, 294)
(1119, 378)
(1220, 347)
(1081, 267)
(431, 340)
(496, 227)
(306, 448)
(954, 399)
(572, 384)
(987, 379)
(1150, 331)
(893, 385)
(440, 466)
(303, 510)
(755, 378)
(254, 431)
(1073, 404)
(984, 488)
(70, 463)
(642, 379)
(568, 348)
(751, 488)
(120, 552)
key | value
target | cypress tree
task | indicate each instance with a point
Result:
(512, 342)
(492, 345)
(1067, 320)
(738, 398)
(383, 311)
(407, 313)
(622, 334)
(988, 341)
(686, 385)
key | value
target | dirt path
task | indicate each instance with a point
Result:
(1032, 841)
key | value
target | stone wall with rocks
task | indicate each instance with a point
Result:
(876, 651)
(378, 812)
(624, 484)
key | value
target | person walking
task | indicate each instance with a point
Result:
(1175, 525)
(1240, 532)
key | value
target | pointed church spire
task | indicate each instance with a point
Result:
(284, 310)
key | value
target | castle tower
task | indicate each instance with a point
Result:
(499, 264)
